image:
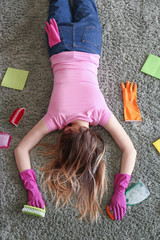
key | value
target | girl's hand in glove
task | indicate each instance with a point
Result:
(34, 196)
(118, 201)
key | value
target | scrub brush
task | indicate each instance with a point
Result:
(39, 212)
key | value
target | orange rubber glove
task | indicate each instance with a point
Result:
(131, 110)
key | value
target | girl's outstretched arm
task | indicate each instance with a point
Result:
(124, 143)
(27, 174)
(27, 143)
(118, 201)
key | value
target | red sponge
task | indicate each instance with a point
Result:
(16, 116)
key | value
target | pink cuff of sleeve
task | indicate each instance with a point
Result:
(49, 123)
(105, 120)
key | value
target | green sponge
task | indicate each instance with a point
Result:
(152, 66)
(39, 212)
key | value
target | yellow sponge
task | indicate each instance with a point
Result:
(157, 145)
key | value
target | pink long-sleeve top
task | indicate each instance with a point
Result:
(76, 94)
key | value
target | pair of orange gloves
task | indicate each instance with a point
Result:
(131, 110)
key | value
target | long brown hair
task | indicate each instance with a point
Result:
(76, 168)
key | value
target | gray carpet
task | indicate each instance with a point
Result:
(131, 31)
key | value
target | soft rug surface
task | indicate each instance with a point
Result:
(131, 31)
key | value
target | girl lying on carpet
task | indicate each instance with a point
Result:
(77, 168)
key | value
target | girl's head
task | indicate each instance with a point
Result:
(77, 169)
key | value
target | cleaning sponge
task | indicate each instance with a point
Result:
(157, 145)
(152, 66)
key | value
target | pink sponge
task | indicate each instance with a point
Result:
(5, 140)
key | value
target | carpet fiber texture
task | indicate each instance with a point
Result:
(131, 31)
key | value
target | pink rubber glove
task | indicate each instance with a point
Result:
(52, 32)
(118, 201)
(34, 196)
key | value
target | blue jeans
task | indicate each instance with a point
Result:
(79, 27)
